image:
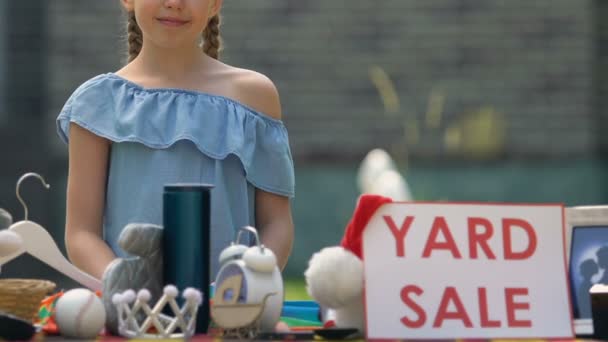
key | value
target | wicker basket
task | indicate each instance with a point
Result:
(22, 297)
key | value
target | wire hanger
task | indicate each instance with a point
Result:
(30, 174)
(39, 243)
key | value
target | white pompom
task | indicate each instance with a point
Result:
(334, 277)
(129, 296)
(144, 295)
(117, 299)
(170, 291)
(193, 295)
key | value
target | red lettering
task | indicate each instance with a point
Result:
(399, 233)
(507, 225)
(405, 292)
(439, 225)
(450, 295)
(480, 238)
(484, 319)
(510, 293)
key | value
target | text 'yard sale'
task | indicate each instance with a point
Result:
(466, 270)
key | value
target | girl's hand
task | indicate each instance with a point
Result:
(275, 224)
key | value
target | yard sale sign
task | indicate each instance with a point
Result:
(466, 271)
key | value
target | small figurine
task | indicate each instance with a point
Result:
(249, 290)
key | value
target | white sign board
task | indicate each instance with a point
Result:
(466, 271)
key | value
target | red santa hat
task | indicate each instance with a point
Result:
(365, 209)
(334, 276)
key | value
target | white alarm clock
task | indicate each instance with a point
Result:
(249, 277)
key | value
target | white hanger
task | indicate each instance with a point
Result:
(39, 243)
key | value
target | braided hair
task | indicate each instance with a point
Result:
(211, 36)
(212, 42)
(134, 36)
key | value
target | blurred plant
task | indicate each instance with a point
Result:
(478, 134)
(386, 89)
(475, 134)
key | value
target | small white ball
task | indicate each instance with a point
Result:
(193, 295)
(117, 299)
(129, 296)
(79, 313)
(170, 291)
(144, 295)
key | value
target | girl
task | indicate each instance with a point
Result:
(174, 114)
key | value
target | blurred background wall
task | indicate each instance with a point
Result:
(476, 100)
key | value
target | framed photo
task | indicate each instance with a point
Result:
(587, 259)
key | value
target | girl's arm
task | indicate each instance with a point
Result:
(88, 160)
(273, 212)
(273, 218)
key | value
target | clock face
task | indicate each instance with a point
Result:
(239, 288)
(231, 285)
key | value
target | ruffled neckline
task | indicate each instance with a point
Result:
(120, 110)
(190, 92)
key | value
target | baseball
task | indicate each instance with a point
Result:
(79, 313)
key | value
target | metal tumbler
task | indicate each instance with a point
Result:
(186, 236)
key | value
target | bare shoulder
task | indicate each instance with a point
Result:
(256, 91)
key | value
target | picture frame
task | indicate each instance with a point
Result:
(586, 232)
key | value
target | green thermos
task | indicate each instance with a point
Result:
(186, 236)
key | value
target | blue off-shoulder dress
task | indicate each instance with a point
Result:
(164, 135)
